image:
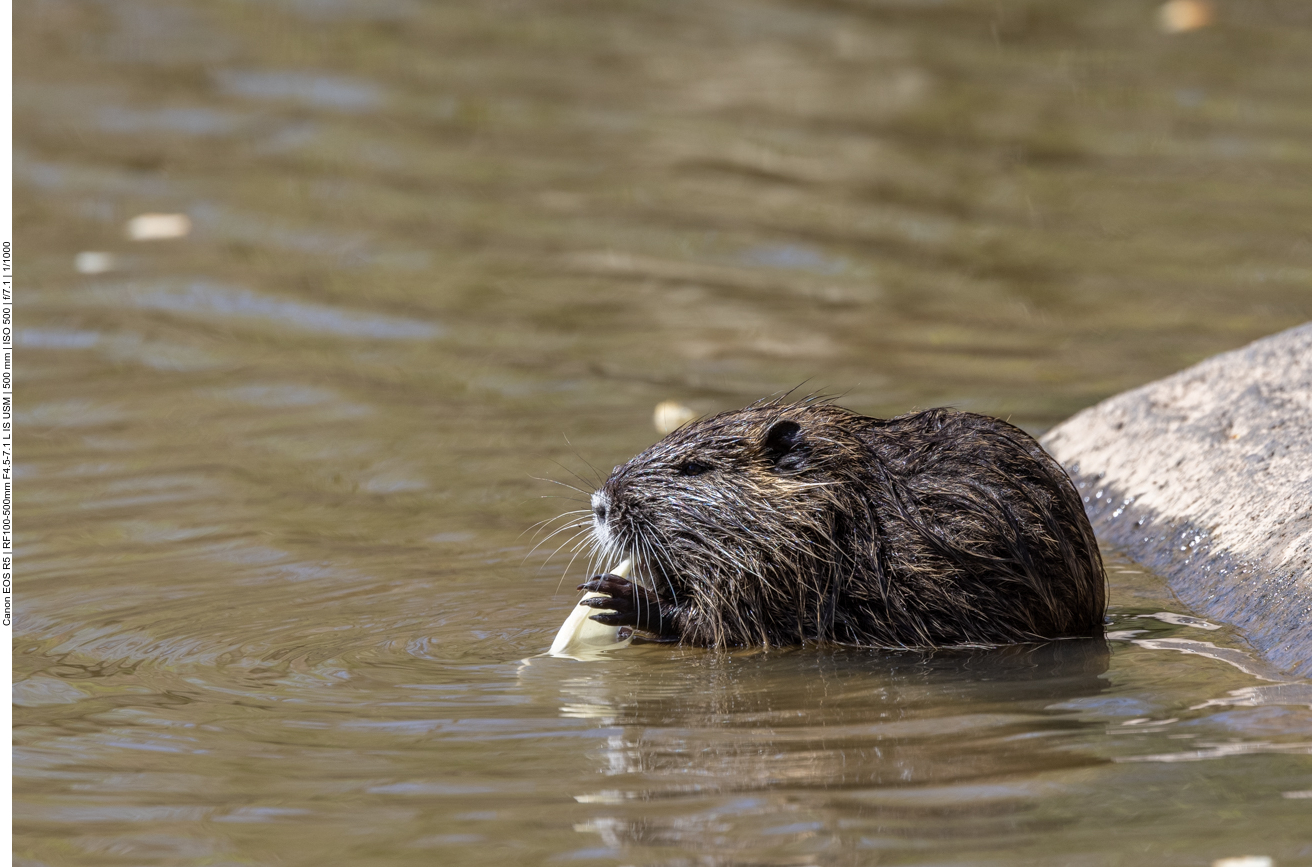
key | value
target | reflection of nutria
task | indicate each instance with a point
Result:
(787, 523)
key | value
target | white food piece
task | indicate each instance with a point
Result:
(581, 637)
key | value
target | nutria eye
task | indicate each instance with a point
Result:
(692, 468)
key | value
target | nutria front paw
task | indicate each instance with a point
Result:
(625, 604)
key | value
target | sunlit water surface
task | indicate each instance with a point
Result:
(276, 598)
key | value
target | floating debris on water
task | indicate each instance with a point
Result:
(671, 415)
(156, 227)
(1181, 16)
(94, 262)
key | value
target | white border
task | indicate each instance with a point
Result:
(6, 412)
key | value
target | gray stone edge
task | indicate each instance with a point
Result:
(1266, 603)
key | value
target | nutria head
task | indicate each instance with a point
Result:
(785, 523)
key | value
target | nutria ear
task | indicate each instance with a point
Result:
(782, 439)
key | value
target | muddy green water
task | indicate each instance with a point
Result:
(275, 590)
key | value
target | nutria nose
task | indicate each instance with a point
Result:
(600, 510)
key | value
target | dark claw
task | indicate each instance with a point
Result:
(607, 603)
(612, 585)
(611, 619)
(629, 604)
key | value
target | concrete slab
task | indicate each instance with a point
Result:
(1206, 477)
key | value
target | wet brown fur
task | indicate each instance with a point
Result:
(787, 523)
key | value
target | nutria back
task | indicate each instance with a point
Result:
(784, 523)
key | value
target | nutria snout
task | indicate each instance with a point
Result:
(789, 523)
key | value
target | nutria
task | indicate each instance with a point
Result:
(790, 523)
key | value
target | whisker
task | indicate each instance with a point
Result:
(564, 484)
(552, 535)
(543, 524)
(600, 478)
(571, 472)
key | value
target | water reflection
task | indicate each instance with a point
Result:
(212, 301)
(315, 90)
(790, 742)
(826, 721)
